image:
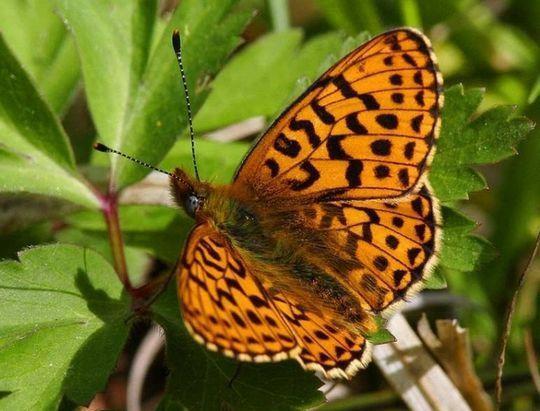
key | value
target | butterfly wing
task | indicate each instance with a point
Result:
(223, 305)
(395, 243)
(365, 129)
(324, 347)
(226, 308)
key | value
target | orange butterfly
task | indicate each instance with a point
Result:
(330, 219)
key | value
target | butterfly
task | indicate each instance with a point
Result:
(329, 222)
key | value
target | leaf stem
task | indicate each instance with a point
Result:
(279, 12)
(109, 207)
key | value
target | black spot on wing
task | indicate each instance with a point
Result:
(403, 176)
(417, 206)
(312, 176)
(409, 150)
(382, 171)
(273, 166)
(417, 78)
(412, 253)
(397, 98)
(392, 241)
(381, 147)
(416, 122)
(380, 262)
(307, 126)
(398, 276)
(352, 174)
(258, 302)
(289, 147)
(388, 121)
(396, 79)
(409, 60)
(335, 150)
(354, 125)
(344, 86)
(369, 101)
(419, 97)
(322, 113)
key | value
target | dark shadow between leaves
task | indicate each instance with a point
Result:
(97, 301)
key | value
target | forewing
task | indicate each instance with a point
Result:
(223, 305)
(364, 130)
(394, 243)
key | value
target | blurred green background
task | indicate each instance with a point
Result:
(494, 44)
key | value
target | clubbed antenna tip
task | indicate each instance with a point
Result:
(176, 41)
(101, 147)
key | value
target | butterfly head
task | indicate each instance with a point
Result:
(189, 193)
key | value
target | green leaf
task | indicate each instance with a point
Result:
(138, 105)
(489, 138)
(137, 259)
(259, 79)
(35, 155)
(110, 50)
(352, 16)
(62, 327)
(466, 141)
(436, 281)
(157, 230)
(44, 48)
(199, 379)
(462, 251)
(381, 335)
(217, 161)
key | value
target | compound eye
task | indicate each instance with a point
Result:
(192, 204)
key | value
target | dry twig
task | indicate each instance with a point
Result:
(452, 349)
(508, 322)
(532, 358)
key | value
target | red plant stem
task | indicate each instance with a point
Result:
(109, 207)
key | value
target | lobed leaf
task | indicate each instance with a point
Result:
(461, 250)
(490, 137)
(466, 141)
(62, 326)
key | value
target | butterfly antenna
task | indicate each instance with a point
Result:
(177, 45)
(104, 149)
